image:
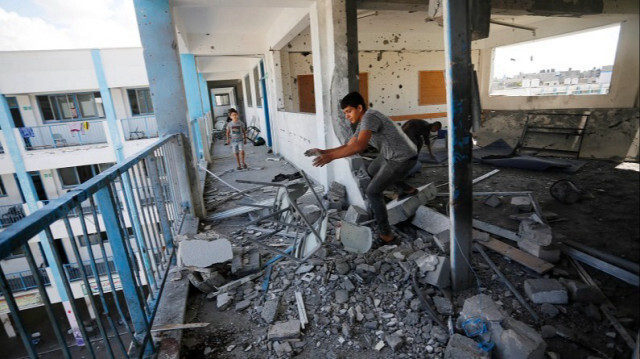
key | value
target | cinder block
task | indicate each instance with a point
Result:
(461, 347)
(430, 220)
(522, 202)
(443, 241)
(284, 330)
(581, 292)
(441, 276)
(270, 310)
(356, 215)
(223, 301)
(550, 253)
(546, 291)
(515, 339)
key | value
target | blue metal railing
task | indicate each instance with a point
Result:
(72, 133)
(22, 281)
(139, 127)
(10, 214)
(139, 264)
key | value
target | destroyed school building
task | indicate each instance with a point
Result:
(288, 268)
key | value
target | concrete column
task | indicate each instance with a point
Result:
(8, 327)
(157, 34)
(31, 197)
(329, 36)
(87, 301)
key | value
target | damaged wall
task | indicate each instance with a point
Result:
(610, 133)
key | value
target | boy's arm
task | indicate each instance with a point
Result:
(244, 134)
(228, 130)
(355, 145)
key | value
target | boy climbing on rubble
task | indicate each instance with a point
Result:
(397, 156)
(237, 136)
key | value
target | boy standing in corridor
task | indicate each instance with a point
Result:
(237, 136)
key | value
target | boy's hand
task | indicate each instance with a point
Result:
(313, 152)
(322, 160)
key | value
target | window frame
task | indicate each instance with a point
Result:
(222, 95)
(71, 98)
(247, 86)
(258, 86)
(3, 189)
(147, 100)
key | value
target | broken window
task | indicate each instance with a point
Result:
(256, 82)
(247, 85)
(140, 101)
(579, 63)
(223, 100)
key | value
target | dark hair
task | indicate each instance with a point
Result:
(353, 99)
(437, 123)
(231, 110)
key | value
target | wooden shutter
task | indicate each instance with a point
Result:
(364, 86)
(306, 94)
(432, 88)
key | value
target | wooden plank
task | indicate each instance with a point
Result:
(178, 326)
(432, 88)
(420, 116)
(363, 84)
(495, 230)
(534, 263)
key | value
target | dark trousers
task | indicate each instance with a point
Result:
(385, 173)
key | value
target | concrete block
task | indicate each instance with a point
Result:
(341, 296)
(515, 339)
(394, 341)
(581, 292)
(443, 305)
(539, 233)
(493, 201)
(242, 305)
(523, 203)
(461, 347)
(479, 236)
(356, 215)
(427, 263)
(550, 253)
(270, 310)
(430, 220)
(356, 239)
(443, 241)
(245, 263)
(311, 212)
(337, 190)
(284, 330)
(396, 213)
(441, 276)
(206, 282)
(546, 291)
(223, 301)
(200, 253)
(426, 193)
(483, 306)
(406, 208)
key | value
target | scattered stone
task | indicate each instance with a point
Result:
(354, 238)
(342, 296)
(282, 349)
(394, 341)
(443, 305)
(493, 201)
(270, 310)
(523, 203)
(514, 339)
(548, 331)
(443, 241)
(206, 282)
(550, 253)
(207, 351)
(202, 254)
(440, 277)
(538, 233)
(342, 267)
(284, 330)
(311, 212)
(592, 312)
(242, 305)
(379, 346)
(546, 291)
(461, 347)
(581, 292)
(549, 310)
(305, 268)
(427, 263)
(439, 334)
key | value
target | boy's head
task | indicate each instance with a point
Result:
(233, 114)
(353, 106)
(436, 126)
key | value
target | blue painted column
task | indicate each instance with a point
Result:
(458, 75)
(204, 93)
(265, 102)
(194, 100)
(162, 62)
(31, 197)
(116, 141)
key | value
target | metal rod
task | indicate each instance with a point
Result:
(507, 282)
(608, 268)
(515, 26)
(85, 281)
(15, 314)
(225, 182)
(620, 262)
(153, 220)
(315, 194)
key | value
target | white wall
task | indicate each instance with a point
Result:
(124, 67)
(13, 192)
(295, 133)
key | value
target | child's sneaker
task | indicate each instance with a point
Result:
(245, 166)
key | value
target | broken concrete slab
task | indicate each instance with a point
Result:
(201, 253)
(394, 341)
(461, 347)
(581, 292)
(311, 212)
(223, 301)
(427, 263)
(550, 253)
(443, 305)
(284, 330)
(546, 291)
(515, 339)
(523, 203)
(483, 306)
(493, 201)
(354, 238)
(206, 282)
(539, 233)
(430, 220)
(270, 310)
(245, 262)
(356, 215)
(401, 210)
(440, 276)
(443, 241)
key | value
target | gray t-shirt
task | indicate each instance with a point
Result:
(235, 131)
(387, 137)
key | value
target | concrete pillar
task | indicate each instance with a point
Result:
(31, 197)
(157, 34)
(8, 327)
(87, 301)
(329, 37)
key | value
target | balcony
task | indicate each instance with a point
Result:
(23, 281)
(140, 127)
(74, 133)
(10, 214)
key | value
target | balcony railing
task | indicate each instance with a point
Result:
(22, 281)
(137, 128)
(74, 133)
(140, 264)
(10, 214)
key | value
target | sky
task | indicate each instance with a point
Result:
(578, 51)
(67, 24)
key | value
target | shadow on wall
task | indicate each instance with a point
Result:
(610, 133)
